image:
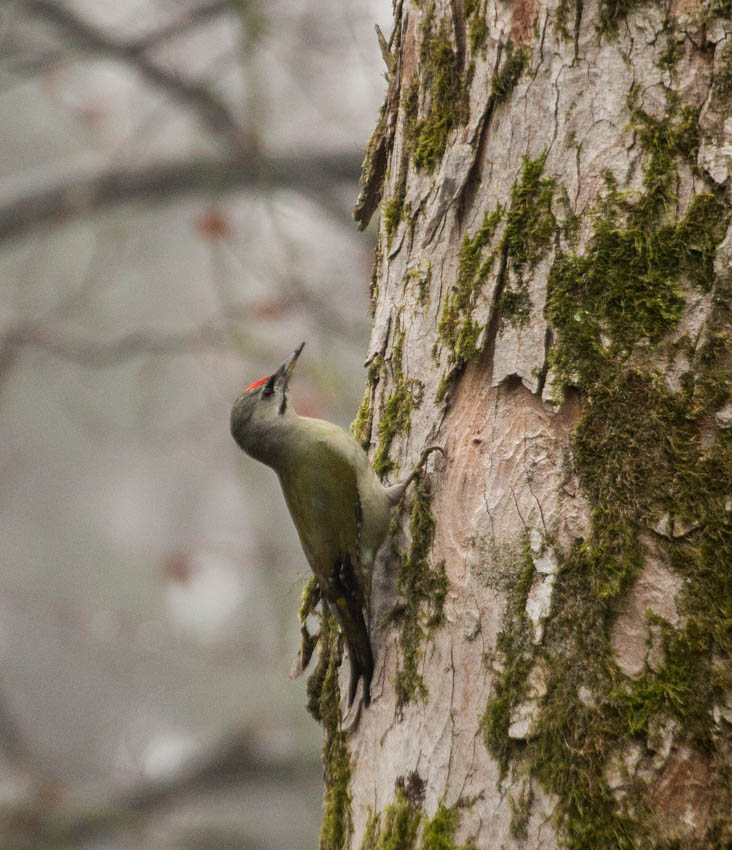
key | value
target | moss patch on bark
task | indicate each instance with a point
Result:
(403, 825)
(396, 410)
(529, 231)
(641, 451)
(423, 589)
(337, 825)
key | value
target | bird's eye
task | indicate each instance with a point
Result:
(268, 388)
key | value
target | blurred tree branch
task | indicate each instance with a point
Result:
(314, 174)
(99, 354)
(241, 163)
(213, 111)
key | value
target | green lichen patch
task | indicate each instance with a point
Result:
(445, 90)
(423, 589)
(405, 395)
(515, 63)
(336, 826)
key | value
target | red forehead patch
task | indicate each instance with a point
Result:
(257, 383)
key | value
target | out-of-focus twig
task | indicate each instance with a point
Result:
(23, 65)
(212, 110)
(195, 16)
(103, 353)
(312, 174)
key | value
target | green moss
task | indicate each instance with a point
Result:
(375, 276)
(669, 58)
(476, 17)
(456, 328)
(562, 17)
(445, 87)
(371, 833)
(401, 822)
(514, 65)
(309, 599)
(628, 285)
(396, 411)
(722, 85)
(614, 12)
(420, 279)
(423, 589)
(398, 826)
(639, 453)
(336, 826)
(443, 386)
(530, 228)
(439, 831)
(515, 307)
(530, 223)
(361, 425)
(394, 209)
(515, 659)
(520, 813)
(392, 213)
(394, 829)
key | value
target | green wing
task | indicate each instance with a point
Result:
(322, 496)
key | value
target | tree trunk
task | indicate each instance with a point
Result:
(551, 304)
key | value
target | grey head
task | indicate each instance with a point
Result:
(259, 415)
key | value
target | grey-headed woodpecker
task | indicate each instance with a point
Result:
(339, 507)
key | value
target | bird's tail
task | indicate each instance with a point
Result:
(350, 618)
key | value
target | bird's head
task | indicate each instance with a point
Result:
(260, 410)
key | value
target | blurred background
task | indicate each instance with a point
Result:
(176, 185)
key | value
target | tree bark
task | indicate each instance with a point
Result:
(551, 300)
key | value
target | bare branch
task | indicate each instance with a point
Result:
(95, 354)
(211, 109)
(312, 174)
(194, 17)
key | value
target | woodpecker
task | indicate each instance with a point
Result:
(340, 508)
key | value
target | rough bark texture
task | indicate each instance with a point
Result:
(551, 303)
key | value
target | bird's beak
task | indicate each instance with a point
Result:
(288, 366)
(282, 375)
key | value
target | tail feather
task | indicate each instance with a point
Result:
(350, 618)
